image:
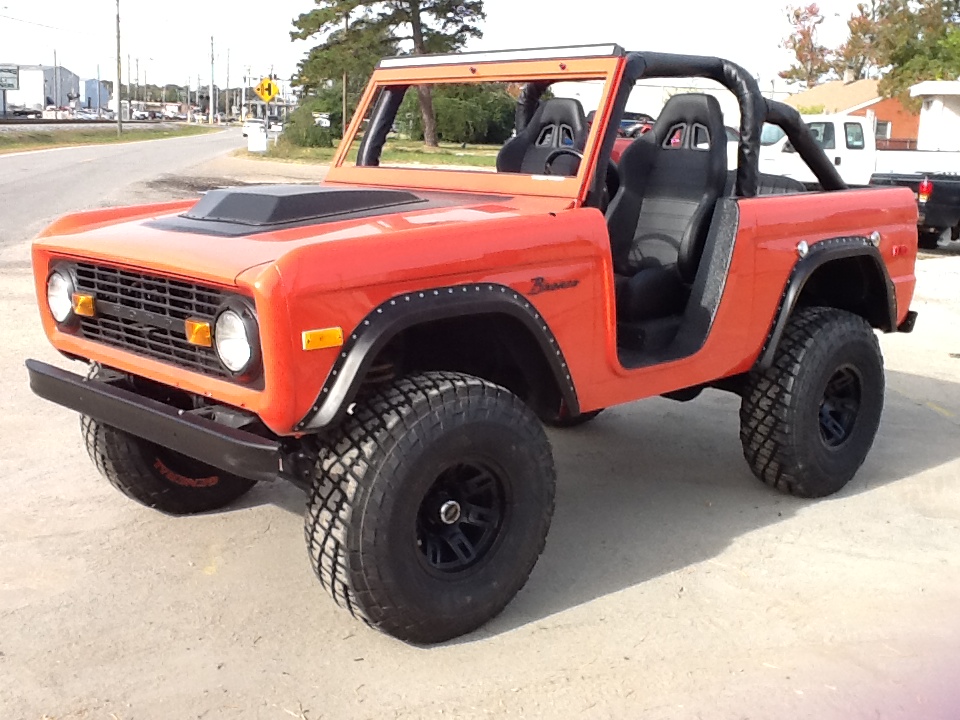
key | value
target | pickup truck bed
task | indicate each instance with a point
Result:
(939, 208)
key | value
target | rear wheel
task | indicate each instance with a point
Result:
(808, 421)
(431, 506)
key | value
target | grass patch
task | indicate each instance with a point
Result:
(396, 151)
(18, 141)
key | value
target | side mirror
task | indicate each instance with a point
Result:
(788, 147)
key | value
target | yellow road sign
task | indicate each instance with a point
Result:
(267, 90)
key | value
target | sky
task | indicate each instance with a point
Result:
(171, 38)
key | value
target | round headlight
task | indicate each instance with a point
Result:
(234, 346)
(60, 296)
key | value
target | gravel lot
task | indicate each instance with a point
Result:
(673, 585)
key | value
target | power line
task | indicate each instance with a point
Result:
(29, 22)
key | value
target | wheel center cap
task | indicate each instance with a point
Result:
(449, 512)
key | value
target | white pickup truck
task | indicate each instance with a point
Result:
(849, 141)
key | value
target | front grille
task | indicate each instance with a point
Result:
(144, 314)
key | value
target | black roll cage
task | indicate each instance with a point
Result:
(755, 110)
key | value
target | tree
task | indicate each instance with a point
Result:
(474, 113)
(917, 40)
(812, 58)
(423, 26)
(353, 52)
(859, 54)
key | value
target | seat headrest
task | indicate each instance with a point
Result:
(566, 110)
(558, 122)
(685, 113)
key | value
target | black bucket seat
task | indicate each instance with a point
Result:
(670, 180)
(557, 123)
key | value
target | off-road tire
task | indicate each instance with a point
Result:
(375, 478)
(781, 412)
(931, 239)
(157, 477)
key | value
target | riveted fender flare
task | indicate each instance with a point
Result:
(820, 254)
(407, 310)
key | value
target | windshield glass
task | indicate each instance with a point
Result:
(771, 134)
(502, 127)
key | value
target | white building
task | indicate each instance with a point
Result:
(940, 115)
(42, 85)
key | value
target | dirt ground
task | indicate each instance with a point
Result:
(673, 585)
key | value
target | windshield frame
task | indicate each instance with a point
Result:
(608, 70)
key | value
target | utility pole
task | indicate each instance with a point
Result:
(56, 86)
(211, 80)
(138, 78)
(118, 85)
(129, 80)
(98, 91)
(226, 110)
(343, 121)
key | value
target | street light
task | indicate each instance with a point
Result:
(118, 85)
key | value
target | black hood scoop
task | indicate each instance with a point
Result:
(263, 208)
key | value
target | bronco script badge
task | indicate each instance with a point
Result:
(541, 286)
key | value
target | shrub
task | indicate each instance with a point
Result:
(301, 129)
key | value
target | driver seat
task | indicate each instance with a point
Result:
(670, 181)
(557, 123)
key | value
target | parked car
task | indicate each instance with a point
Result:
(850, 143)
(938, 200)
(393, 339)
(251, 125)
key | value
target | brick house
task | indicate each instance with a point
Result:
(897, 127)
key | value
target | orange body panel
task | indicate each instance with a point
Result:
(333, 274)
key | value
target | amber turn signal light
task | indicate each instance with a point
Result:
(320, 339)
(84, 305)
(198, 332)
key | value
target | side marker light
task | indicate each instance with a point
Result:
(321, 339)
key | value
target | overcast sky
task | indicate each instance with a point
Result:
(172, 37)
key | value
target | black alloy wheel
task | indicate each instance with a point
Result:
(460, 517)
(840, 407)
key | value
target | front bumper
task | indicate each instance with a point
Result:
(236, 451)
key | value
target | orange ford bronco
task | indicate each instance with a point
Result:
(393, 339)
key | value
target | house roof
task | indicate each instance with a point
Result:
(936, 87)
(837, 96)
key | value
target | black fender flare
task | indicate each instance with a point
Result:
(407, 310)
(816, 256)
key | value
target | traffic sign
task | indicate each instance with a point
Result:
(267, 90)
(9, 77)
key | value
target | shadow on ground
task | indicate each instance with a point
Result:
(651, 488)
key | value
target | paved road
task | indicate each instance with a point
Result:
(674, 586)
(36, 187)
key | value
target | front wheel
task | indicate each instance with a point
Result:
(156, 476)
(431, 506)
(808, 421)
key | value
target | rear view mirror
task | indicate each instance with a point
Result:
(788, 148)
